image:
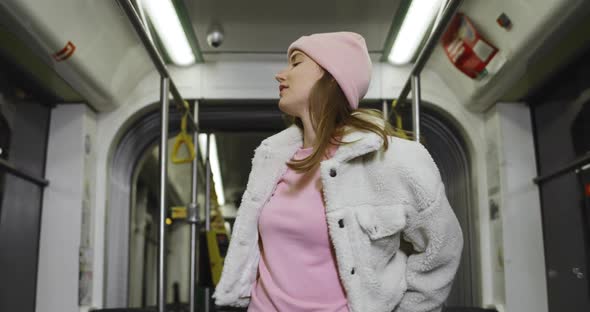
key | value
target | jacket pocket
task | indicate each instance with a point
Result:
(377, 244)
(381, 221)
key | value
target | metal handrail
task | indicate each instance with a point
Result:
(8, 167)
(413, 81)
(431, 43)
(137, 23)
(163, 155)
(167, 86)
(193, 220)
(577, 163)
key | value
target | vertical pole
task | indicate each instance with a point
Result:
(207, 207)
(416, 107)
(194, 219)
(164, 89)
(208, 185)
(385, 109)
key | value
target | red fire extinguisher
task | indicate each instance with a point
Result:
(466, 48)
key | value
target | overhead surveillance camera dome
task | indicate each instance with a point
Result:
(215, 36)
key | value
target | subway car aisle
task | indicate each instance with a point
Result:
(148, 156)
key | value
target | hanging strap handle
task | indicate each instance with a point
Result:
(183, 138)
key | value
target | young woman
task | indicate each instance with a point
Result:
(329, 198)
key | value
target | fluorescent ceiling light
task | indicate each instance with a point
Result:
(214, 162)
(202, 145)
(163, 16)
(216, 170)
(416, 22)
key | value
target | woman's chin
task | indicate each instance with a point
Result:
(288, 108)
(283, 107)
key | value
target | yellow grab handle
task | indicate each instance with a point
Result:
(179, 212)
(183, 138)
(188, 141)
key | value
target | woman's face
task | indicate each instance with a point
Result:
(298, 78)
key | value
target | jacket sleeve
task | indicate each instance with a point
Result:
(435, 233)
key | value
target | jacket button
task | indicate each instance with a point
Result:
(332, 172)
(341, 223)
(352, 272)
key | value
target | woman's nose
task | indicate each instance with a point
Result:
(280, 77)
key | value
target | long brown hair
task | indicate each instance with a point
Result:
(332, 117)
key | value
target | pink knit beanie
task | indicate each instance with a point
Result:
(345, 56)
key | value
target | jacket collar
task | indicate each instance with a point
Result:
(288, 141)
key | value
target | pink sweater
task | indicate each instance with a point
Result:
(297, 269)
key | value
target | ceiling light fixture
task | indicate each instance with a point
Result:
(420, 15)
(167, 24)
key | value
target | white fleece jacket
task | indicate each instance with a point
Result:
(372, 197)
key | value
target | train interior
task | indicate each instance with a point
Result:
(93, 92)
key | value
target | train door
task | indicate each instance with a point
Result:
(561, 112)
(21, 170)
